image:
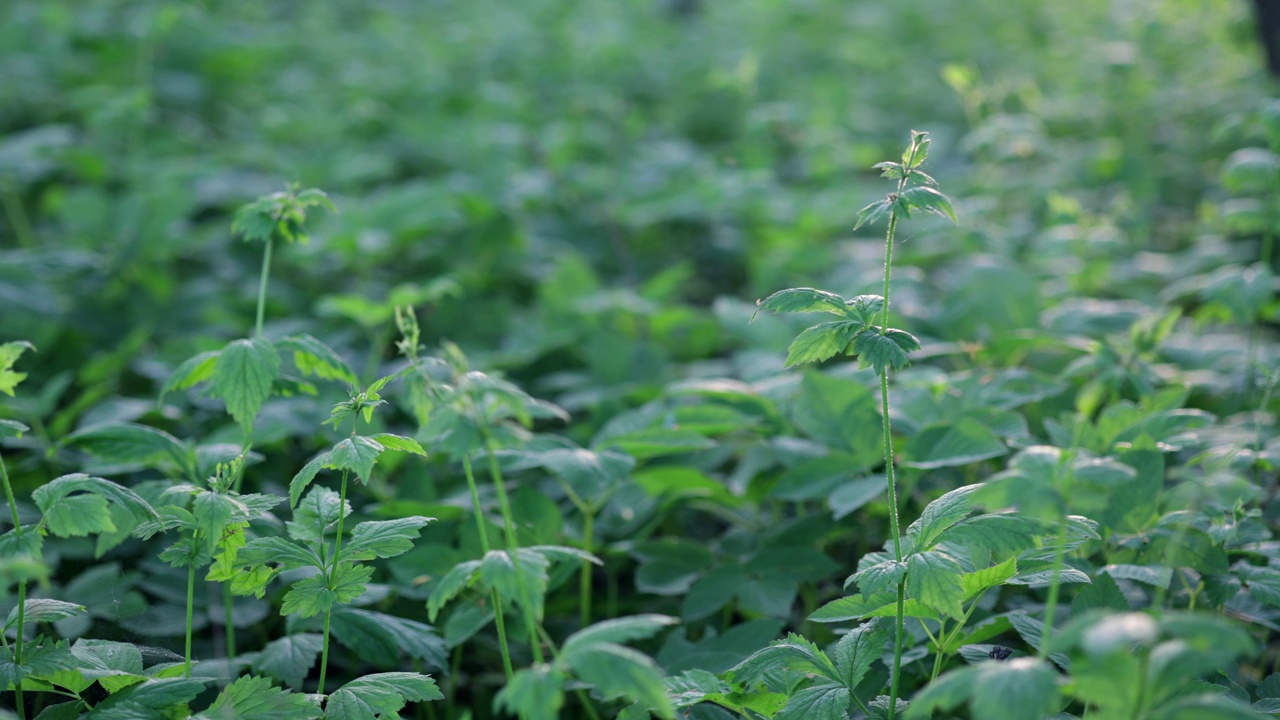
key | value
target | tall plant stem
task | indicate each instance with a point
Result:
(1065, 473)
(890, 479)
(18, 220)
(584, 580)
(262, 287)
(191, 595)
(513, 545)
(22, 590)
(332, 565)
(499, 621)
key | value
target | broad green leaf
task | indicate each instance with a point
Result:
(619, 630)
(43, 610)
(317, 512)
(78, 516)
(313, 357)
(51, 492)
(380, 638)
(114, 665)
(1156, 575)
(307, 474)
(358, 454)
(290, 658)
(313, 596)
(1001, 533)
(150, 698)
(873, 213)
(923, 197)
(842, 415)
(213, 512)
(822, 342)
(881, 352)
(853, 607)
(243, 375)
(9, 354)
(858, 649)
(536, 693)
(879, 578)
(934, 580)
(192, 371)
(497, 571)
(793, 300)
(942, 513)
(948, 691)
(371, 696)
(458, 578)
(979, 581)
(1017, 689)
(794, 653)
(949, 444)
(134, 443)
(617, 670)
(1102, 593)
(276, 550)
(383, 538)
(822, 702)
(255, 698)
(399, 442)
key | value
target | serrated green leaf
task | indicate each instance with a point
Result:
(371, 696)
(134, 443)
(383, 538)
(979, 581)
(1017, 689)
(1157, 575)
(399, 442)
(536, 693)
(312, 596)
(1102, 593)
(858, 649)
(618, 670)
(948, 691)
(458, 577)
(873, 213)
(380, 638)
(307, 474)
(190, 372)
(942, 513)
(276, 550)
(823, 702)
(313, 357)
(53, 491)
(879, 578)
(243, 375)
(618, 630)
(853, 607)
(928, 199)
(794, 653)
(213, 512)
(879, 351)
(358, 454)
(1001, 533)
(318, 511)
(290, 658)
(39, 610)
(78, 516)
(822, 342)
(9, 354)
(255, 698)
(799, 300)
(934, 579)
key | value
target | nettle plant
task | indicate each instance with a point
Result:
(939, 574)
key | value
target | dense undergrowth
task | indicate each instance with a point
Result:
(486, 428)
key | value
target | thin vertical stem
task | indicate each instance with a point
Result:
(324, 652)
(19, 641)
(498, 619)
(332, 564)
(191, 592)
(513, 545)
(18, 220)
(584, 580)
(262, 287)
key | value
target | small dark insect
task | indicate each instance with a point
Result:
(1000, 652)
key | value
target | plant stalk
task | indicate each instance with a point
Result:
(498, 619)
(513, 544)
(337, 548)
(262, 286)
(20, 640)
(191, 594)
(584, 580)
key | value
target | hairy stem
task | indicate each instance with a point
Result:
(262, 287)
(499, 621)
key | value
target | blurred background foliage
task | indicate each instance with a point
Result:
(590, 195)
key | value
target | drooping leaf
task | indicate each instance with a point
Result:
(873, 213)
(950, 444)
(399, 442)
(192, 371)
(47, 495)
(289, 555)
(358, 454)
(794, 653)
(290, 658)
(822, 342)
(243, 375)
(312, 596)
(380, 638)
(923, 197)
(536, 692)
(793, 300)
(821, 702)
(383, 538)
(881, 352)
(39, 610)
(134, 443)
(618, 630)
(372, 696)
(255, 698)
(1017, 689)
(308, 473)
(9, 354)
(149, 698)
(934, 580)
(617, 670)
(12, 429)
(852, 607)
(858, 649)
(942, 513)
(313, 357)
(78, 516)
